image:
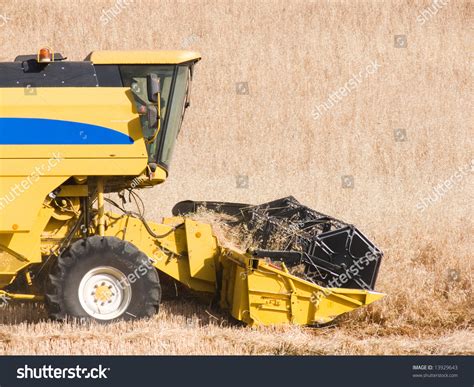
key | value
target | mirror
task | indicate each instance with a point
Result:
(152, 116)
(153, 87)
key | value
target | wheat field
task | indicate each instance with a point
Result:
(394, 156)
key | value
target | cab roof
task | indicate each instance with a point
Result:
(143, 57)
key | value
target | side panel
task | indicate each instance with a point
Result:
(20, 249)
(50, 134)
(98, 109)
(170, 253)
(267, 295)
(21, 198)
(201, 253)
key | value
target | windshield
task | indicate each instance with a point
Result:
(174, 119)
(174, 82)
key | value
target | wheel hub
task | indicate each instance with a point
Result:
(105, 293)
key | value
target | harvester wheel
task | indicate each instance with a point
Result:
(103, 278)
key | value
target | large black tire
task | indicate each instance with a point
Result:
(112, 270)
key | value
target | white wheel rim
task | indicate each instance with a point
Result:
(105, 293)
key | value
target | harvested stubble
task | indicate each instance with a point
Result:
(188, 328)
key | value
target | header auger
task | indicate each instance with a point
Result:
(71, 132)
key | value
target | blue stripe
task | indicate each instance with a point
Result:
(44, 131)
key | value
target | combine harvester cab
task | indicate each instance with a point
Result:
(72, 132)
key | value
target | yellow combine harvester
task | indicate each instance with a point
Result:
(71, 132)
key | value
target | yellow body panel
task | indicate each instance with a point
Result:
(21, 198)
(109, 107)
(144, 57)
(169, 254)
(201, 255)
(261, 294)
(32, 166)
(21, 249)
